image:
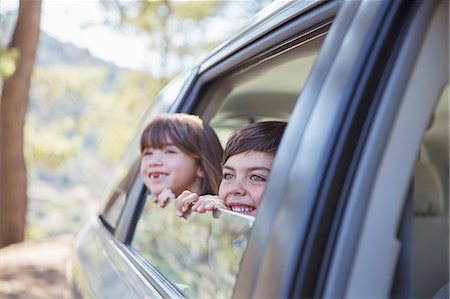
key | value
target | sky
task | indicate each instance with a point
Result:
(79, 22)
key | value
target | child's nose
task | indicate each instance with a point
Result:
(238, 188)
(155, 160)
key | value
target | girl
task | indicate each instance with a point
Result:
(248, 158)
(179, 152)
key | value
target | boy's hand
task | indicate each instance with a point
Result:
(184, 202)
(208, 203)
(163, 197)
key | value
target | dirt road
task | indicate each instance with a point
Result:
(35, 270)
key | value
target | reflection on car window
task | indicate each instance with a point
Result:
(201, 255)
(114, 206)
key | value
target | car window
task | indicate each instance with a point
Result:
(201, 256)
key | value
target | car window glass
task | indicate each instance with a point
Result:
(199, 256)
(114, 206)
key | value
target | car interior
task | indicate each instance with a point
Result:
(265, 90)
(431, 206)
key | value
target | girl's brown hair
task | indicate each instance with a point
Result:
(193, 136)
(264, 136)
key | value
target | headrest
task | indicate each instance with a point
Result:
(428, 190)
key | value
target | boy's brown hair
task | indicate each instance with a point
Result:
(191, 135)
(264, 136)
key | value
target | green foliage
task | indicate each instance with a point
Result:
(80, 109)
(153, 15)
(67, 83)
(8, 59)
(48, 145)
(176, 29)
(117, 114)
(196, 10)
(61, 95)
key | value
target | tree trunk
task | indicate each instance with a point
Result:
(13, 108)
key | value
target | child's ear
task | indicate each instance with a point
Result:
(200, 172)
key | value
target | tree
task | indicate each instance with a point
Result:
(179, 31)
(13, 109)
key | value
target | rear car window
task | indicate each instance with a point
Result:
(199, 256)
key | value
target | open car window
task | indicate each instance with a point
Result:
(201, 256)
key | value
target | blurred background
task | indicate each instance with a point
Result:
(98, 65)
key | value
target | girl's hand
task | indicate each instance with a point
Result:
(208, 203)
(163, 197)
(184, 202)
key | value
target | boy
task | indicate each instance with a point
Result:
(248, 158)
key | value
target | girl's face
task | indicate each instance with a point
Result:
(244, 178)
(170, 168)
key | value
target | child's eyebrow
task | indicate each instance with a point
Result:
(259, 168)
(250, 168)
(162, 145)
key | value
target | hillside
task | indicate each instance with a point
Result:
(54, 52)
(82, 115)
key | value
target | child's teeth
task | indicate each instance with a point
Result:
(242, 209)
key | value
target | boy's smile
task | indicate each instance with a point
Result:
(244, 178)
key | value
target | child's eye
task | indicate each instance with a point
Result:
(257, 178)
(147, 153)
(227, 176)
(170, 151)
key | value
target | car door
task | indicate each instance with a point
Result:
(332, 213)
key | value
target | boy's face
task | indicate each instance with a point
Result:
(170, 168)
(244, 178)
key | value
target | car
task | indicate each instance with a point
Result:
(357, 203)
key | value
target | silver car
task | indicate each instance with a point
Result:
(357, 204)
